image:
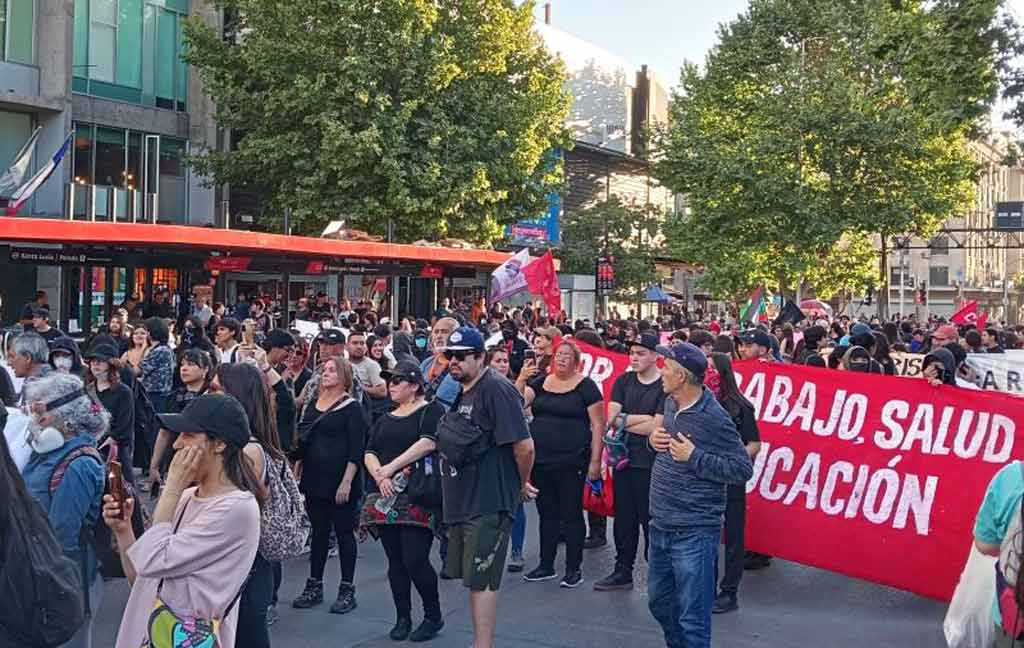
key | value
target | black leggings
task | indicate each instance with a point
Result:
(560, 507)
(408, 551)
(252, 606)
(323, 515)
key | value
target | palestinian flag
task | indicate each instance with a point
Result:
(756, 307)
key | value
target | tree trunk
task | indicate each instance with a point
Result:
(883, 290)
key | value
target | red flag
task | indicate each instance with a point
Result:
(981, 321)
(542, 280)
(968, 314)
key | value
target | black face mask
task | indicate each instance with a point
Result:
(860, 367)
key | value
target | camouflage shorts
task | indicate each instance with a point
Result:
(477, 550)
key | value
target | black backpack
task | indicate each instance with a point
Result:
(41, 588)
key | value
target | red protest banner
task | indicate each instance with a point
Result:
(875, 477)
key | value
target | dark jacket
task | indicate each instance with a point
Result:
(690, 496)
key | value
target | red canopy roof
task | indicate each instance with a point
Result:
(207, 239)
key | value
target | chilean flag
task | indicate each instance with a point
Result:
(25, 191)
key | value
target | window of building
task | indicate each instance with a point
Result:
(17, 31)
(939, 244)
(894, 276)
(130, 50)
(938, 276)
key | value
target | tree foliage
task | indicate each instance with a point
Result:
(816, 124)
(628, 232)
(437, 114)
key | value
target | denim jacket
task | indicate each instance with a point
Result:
(690, 495)
(75, 503)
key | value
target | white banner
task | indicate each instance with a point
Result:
(996, 371)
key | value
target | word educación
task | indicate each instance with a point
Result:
(882, 495)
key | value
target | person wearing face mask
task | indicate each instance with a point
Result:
(103, 382)
(421, 344)
(858, 359)
(65, 474)
(65, 357)
(515, 348)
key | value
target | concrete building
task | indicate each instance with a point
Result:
(112, 71)
(955, 266)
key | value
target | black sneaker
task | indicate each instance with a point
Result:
(346, 601)
(542, 573)
(617, 580)
(311, 596)
(725, 603)
(401, 630)
(595, 542)
(426, 630)
(572, 580)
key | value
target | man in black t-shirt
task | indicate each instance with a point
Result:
(637, 402)
(481, 496)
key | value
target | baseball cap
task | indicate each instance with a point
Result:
(409, 371)
(422, 324)
(41, 311)
(860, 328)
(331, 336)
(756, 336)
(465, 338)
(102, 352)
(279, 339)
(218, 415)
(646, 340)
(690, 357)
(947, 332)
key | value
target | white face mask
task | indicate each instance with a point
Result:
(62, 363)
(100, 375)
(44, 440)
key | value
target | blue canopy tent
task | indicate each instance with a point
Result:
(656, 294)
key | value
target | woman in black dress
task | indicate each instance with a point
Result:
(103, 382)
(332, 438)
(401, 442)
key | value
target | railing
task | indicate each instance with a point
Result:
(105, 203)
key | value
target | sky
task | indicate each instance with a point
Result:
(659, 33)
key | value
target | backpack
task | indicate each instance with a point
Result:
(1011, 550)
(284, 524)
(99, 536)
(40, 587)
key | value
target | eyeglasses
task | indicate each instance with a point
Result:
(459, 356)
(396, 380)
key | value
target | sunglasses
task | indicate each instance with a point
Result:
(460, 356)
(396, 380)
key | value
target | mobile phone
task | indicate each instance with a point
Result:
(529, 354)
(115, 484)
(249, 333)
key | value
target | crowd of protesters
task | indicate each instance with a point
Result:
(406, 432)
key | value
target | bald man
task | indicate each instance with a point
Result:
(440, 385)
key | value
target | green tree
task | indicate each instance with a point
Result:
(628, 232)
(435, 114)
(815, 120)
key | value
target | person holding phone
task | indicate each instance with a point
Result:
(698, 453)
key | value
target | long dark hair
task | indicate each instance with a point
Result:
(240, 471)
(729, 394)
(249, 385)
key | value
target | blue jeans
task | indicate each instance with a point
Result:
(681, 585)
(519, 530)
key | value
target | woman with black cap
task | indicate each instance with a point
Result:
(103, 382)
(402, 442)
(188, 569)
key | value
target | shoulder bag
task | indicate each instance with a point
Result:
(424, 486)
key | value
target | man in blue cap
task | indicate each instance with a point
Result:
(698, 453)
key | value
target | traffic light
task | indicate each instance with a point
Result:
(922, 295)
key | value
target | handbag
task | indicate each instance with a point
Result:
(424, 486)
(600, 500)
(167, 629)
(968, 622)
